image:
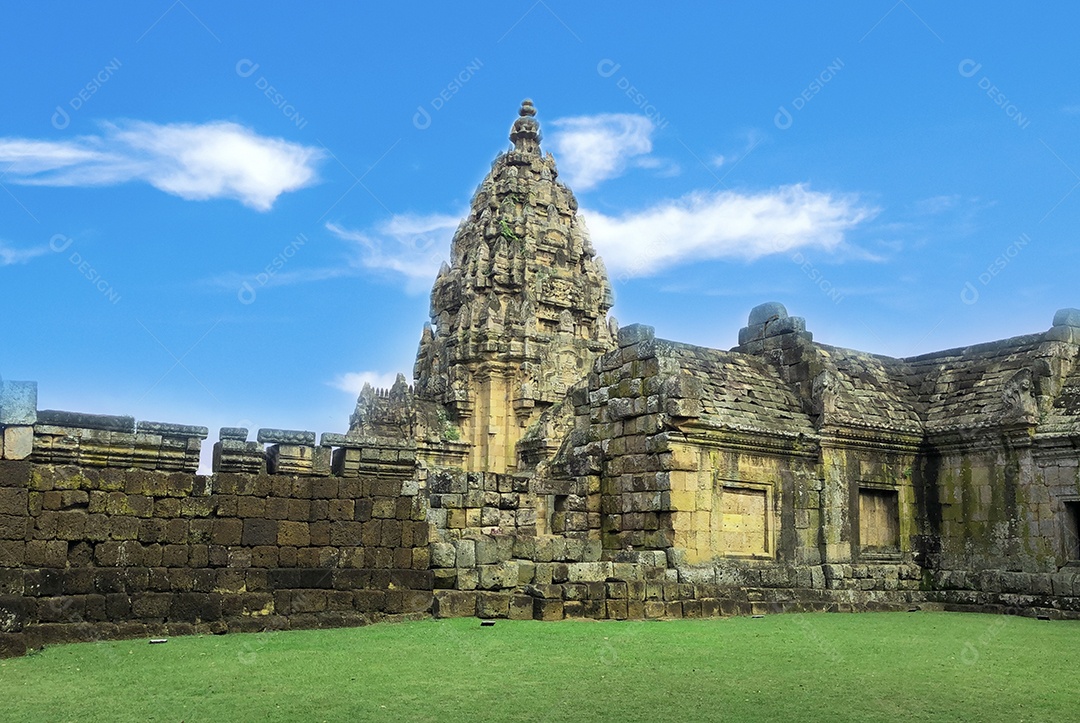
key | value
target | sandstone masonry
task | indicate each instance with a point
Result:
(545, 464)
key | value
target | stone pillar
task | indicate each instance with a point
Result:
(835, 504)
(233, 453)
(292, 451)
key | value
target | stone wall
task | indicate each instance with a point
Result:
(1004, 532)
(715, 468)
(674, 481)
(92, 553)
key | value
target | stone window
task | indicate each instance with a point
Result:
(879, 521)
(1072, 530)
(558, 516)
(744, 521)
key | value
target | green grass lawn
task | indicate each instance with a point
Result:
(864, 667)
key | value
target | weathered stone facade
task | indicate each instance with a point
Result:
(546, 464)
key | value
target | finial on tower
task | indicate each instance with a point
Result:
(525, 135)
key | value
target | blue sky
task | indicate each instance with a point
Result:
(230, 214)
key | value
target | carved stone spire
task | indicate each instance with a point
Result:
(525, 135)
(521, 313)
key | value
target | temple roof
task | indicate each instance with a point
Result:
(524, 285)
(779, 379)
(870, 390)
(738, 391)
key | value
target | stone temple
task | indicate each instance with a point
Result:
(544, 463)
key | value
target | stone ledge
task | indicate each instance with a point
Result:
(335, 439)
(285, 436)
(80, 420)
(167, 429)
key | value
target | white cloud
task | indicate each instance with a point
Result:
(413, 245)
(593, 149)
(195, 162)
(727, 224)
(698, 226)
(10, 255)
(353, 382)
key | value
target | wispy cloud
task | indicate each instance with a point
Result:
(751, 140)
(193, 161)
(353, 382)
(727, 224)
(232, 280)
(937, 204)
(596, 148)
(413, 245)
(942, 219)
(11, 255)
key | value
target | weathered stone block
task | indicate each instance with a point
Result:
(1063, 583)
(542, 573)
(443, 554)
(616, 590)
(547, 609)
(18, 442)
(18, 403)
(498, 576)
(521, 607)
(293, 533)
(454, 604)
(1067, 317)
(259, 532)
(444, 579)
(654, 609)
(635, 333)
(227, 531)
(493, 605)
(467, 578)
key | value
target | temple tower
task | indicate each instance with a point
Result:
(521, 312)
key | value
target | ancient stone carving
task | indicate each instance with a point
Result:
(521, 308)
(1018, 397)
(824, 396)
